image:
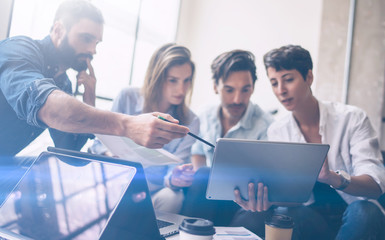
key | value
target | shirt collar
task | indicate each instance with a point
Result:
(244, 122)
(323, 117)
(322, 123)
(297, 134)
(51, 54)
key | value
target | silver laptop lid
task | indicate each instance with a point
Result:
(65, 197)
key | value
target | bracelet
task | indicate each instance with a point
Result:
(170, 185)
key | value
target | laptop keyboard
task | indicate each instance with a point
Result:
(161, 223)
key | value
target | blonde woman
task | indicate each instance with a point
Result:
(167, 88)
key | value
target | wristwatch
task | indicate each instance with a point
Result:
(345, 180)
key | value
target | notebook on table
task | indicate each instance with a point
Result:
(289, 170)
(74, 195)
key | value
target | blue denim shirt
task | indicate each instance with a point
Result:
(27, 70)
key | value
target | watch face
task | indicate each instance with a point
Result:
(345, 179)
(344, 175)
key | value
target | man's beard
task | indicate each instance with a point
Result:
(69, 57)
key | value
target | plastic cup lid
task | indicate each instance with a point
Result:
(280, 221)
(197, 227)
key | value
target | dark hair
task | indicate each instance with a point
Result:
(71, 11)
(289, 57)
(233, 61)
(164, 58)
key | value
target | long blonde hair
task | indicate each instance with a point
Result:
(166, 57)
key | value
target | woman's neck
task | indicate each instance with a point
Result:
(308, 114)
(307, 119)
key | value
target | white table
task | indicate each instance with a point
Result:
(228, 233)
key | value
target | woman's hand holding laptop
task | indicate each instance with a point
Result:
(255, 204)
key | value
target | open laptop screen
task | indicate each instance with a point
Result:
(62, 197)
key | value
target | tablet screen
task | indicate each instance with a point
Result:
(289, 170)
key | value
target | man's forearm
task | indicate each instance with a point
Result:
(63, 112)
(363, 185)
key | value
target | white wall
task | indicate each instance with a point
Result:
(5, 11)
(210, 27)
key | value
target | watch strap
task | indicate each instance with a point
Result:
(345, 180)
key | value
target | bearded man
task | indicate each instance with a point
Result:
(35, 92)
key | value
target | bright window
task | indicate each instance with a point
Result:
(133, 30)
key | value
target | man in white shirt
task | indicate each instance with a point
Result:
(353, 175)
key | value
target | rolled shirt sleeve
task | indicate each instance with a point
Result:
(21, 79)
(28, 75)
(197, 148)
(365, 151)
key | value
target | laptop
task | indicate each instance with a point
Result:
(74, 195)
(289, 170)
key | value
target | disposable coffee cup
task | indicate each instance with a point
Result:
(279, 227)
(196, 229)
